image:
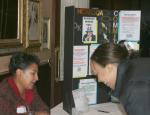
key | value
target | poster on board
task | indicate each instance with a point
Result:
(129, 25)
(80, 61)
(91, 50)
(90, 88)
(89, 30)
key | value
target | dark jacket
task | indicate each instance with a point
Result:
(133, 86)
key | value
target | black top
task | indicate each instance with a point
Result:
(133, 86)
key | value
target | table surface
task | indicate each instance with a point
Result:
(111, 108)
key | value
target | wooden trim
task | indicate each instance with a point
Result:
(52, 60)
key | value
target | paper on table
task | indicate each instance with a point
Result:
(80, 100)
(95, 112)
(111, 108)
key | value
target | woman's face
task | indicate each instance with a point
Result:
(29, 76)
(106, 74)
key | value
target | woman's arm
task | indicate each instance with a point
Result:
(137, 102)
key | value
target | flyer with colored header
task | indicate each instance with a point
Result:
(89, 30)
(129, 25)
(80, 61)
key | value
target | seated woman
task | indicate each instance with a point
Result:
(129, 79)
(17, 93)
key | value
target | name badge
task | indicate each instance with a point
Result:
(21, 109)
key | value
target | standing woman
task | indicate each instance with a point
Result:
(129, 79)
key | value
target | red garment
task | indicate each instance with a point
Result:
(29, 94)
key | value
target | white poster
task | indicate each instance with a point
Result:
(91, 50)
(129, 25)
(90, 88)
(80, 61)
(89, 30)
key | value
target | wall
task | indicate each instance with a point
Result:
(43, 55)
(43, 85)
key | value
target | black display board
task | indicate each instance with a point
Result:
(106, 32)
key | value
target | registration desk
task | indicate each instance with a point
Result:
(99, 109)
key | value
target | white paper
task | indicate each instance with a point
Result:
(92, 49)
(80, 61)
(90, 88)
(129, 25)
(80, 100)
(132, 45)
(89, 30)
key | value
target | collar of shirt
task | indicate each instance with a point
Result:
(122, 68)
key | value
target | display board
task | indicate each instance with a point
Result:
(85, 29)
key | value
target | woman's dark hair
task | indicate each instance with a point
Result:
(21, 60)
(109, 53)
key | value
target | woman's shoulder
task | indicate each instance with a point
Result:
(4, 85)
(141, 63)
(138, 69)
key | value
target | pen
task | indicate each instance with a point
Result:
(103, 111)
